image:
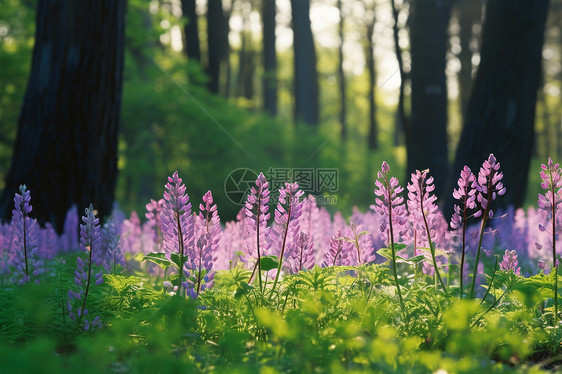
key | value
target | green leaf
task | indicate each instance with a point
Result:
(269, 263)
(176, 260)
(159, 259)
(387, 252)
(411, 260)
(243, 289)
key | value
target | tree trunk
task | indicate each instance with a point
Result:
(269, 57)
(191, 30)
(216, 43)
(469, 13)
(427, 135)
(501, 111)
(401, 126)
(66, 145)
(246, 58)
(341, 75)
(305, 76)
(370, 52)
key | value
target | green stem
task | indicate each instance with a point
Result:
(394, 257)
(283, 245)
(180, 249)
(554, 267)
(258, 211)
(432, 248)
(482, 226)
(463, 251)
(491, 281)
(87, 284)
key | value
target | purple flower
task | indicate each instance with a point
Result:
(364, 252)
(466, 194)
(389, 204)
(153, 214)
(301, 255)
(90, 242)
(70, 238)
(424, 213)
(421, 205)
(340, 252)
(177, 222)
(551, 214)
(510, 262)
(489, 185)
(257, 215)
(287, 229)
(110, 250)
(25, 231)
(198, 268)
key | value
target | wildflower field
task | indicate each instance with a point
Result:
(287, 287)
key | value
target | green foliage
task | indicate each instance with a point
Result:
(335, 319)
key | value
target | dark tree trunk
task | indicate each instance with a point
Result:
(246, 59)
(66, 146)
(401, 126)
(216, 43)
(501, 111)
(305, 76)
(370, 52)
(427, 135)
(469, 13)
(191, 30)
(269, 57)
(341, 75)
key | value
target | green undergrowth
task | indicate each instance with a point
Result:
(327, 320)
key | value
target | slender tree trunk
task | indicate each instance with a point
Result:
(501, 111)
(401, 126)
(191, 30)
(427, 136)
(341, 75)
(246, 59)
(305, 76)
(370, 60)
(66, 145)
(269, 57)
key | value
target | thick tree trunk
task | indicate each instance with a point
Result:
(66, 146)
(191, 30)
(269, 57)
(341, 75)
(501, 110)
(370, 52)
(306, 76)
(427, 135)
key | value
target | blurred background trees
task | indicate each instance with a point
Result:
(211, 86)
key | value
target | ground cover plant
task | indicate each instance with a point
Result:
(393, 289)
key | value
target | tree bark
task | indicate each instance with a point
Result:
(305, 76)
(401, 126)
(341, 75)
(66, 145)
(216, 47)
(269, 57)
(469, 13)
(191, 30)
(501, 111)
(427, 135)
(370, 61)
